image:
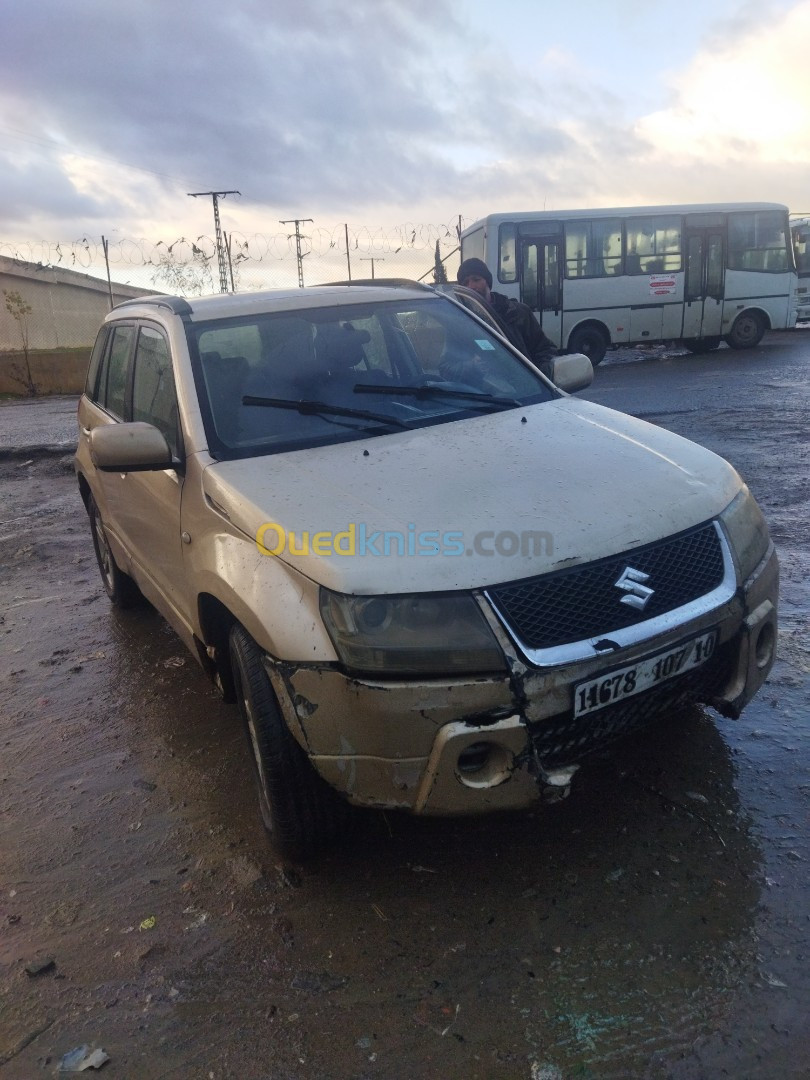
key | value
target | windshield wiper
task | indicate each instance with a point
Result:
(430, 390)
(314, 408)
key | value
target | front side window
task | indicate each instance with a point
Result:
(326, 375)
(653, 245)
(593, 248)
(758, 240)
(154, 400)
(112, 379)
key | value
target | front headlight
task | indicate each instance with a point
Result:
(425, 634)
(747, 531)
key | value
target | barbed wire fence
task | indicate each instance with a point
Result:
(189, 267)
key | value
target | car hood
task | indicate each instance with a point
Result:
(502, 496)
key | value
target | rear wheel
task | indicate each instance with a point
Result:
(702, 345)
(120, 587)
(747, 331)
(300, 810)
(591, 341)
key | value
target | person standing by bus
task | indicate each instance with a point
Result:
(515, 319)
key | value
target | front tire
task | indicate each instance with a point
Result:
(300, 810)
(119, 587)
(747, 331)
(591, 341)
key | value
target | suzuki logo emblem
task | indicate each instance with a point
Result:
(632, 582)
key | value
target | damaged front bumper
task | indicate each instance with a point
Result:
(477, 745)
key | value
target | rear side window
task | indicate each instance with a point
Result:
(95, 362)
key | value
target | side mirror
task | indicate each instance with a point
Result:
(572, 372)
(135, 447)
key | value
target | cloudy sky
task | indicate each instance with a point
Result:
(379, 112)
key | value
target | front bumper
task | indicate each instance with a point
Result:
(398, 744)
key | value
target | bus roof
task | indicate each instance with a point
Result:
(621, 211)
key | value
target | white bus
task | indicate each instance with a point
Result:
(800, 231)
(698, 274)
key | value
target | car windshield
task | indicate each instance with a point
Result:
(273, 382)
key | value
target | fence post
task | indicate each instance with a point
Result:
(106, 245)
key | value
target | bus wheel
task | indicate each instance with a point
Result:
(702, 345)
(747, 331)
(591, 341)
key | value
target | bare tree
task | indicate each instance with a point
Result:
(439, 271)
(185, 279)
(20, 311)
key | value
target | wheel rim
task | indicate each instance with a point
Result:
(746, 329)
(105, 559)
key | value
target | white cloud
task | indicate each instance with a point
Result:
(747, 100)
(385, 112)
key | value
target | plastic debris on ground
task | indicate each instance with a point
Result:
(81, 1059)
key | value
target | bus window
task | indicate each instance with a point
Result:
(801, 247)
(593, 248)
(507, 248)
(758, 241)
(653, 245)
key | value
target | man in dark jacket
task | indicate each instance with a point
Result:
(516, 320)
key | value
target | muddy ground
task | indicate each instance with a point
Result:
(655, 925)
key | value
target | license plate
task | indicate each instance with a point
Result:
(643, 675)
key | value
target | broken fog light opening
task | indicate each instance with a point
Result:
(484, 764)
(766, 640)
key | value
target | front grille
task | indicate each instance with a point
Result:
(583, 602)
(564, 739)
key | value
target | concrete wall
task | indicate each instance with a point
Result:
(60, 371)
(67, 307)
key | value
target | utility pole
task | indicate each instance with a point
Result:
(372, 261)
(298, 222)
(221, 254)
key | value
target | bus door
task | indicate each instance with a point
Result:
(541, 282)
(705, 246)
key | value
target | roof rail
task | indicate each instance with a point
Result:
(384, 283)
(175, 304)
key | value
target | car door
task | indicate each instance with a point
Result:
(146, 505)
(104, 402)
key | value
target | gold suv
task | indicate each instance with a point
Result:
(431, 578)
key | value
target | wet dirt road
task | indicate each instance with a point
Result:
(655, 925)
